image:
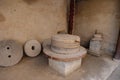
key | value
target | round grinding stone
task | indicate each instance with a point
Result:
(32, 48)
(67, 38)
(63, 57)
(11, 53)
(65, 41)
(65, 50)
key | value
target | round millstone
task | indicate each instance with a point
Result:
(11, 53)
(62, 57)
(65, 41)
(67, 38)
(65, 50)
(32, 48)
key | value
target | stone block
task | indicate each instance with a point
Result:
(64, 68)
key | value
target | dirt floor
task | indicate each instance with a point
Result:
(115, 75)
(93, 68)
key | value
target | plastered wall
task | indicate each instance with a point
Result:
(101, 15)
(23, 20)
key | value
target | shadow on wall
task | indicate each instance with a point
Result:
(2, 17)
(118, 15)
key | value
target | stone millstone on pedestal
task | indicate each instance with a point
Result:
(65, 53)
(32, 48)
(11, 53)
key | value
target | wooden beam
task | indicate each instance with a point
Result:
(117, 54)
(71, 16)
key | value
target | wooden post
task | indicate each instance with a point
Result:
(117, 54)
(71, 16)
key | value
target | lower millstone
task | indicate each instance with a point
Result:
(65, 50)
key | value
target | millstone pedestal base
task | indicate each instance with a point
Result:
(64, 68)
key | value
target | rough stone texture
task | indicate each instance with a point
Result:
(11, 52)
(115, 75)
(32, 48)
(66, 38)
(37, 69)
(65, 45)
(65, 41)
(64, 68)
(101, 15)
(23, 20)
(65, 50)
(95, 47)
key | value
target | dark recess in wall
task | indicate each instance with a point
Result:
(117, 52)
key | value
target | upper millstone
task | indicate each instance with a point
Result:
(65, 41)
(64, 47)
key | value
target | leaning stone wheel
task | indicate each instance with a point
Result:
(11, 53)
(32, 48)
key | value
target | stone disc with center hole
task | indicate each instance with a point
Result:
(11, 53)
(32, 48)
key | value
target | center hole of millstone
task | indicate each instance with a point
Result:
(9, 56)
(33, 47)
(8, 48)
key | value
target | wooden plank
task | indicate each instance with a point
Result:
(71, 16)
